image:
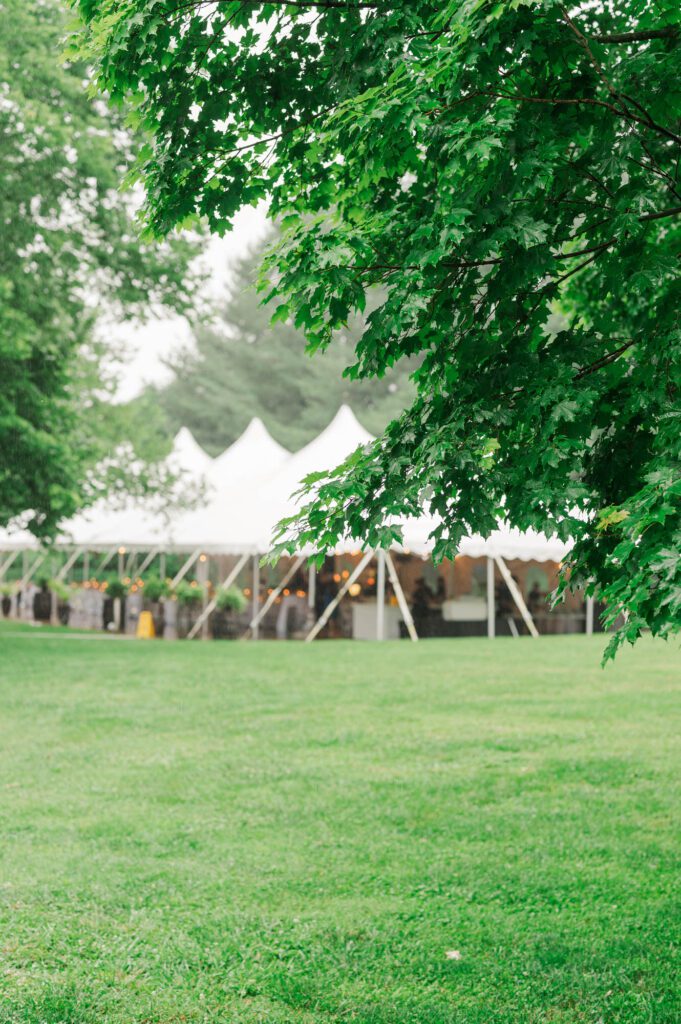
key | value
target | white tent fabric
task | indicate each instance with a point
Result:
(15, 539)
(506, 542)
(249, 489)
(250, 517)
(227, 521)
(188, 456)
(136, 525)
(254, 454)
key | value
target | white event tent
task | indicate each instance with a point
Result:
(246, 491)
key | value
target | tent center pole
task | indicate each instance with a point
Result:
(255, 621)
(203, 581)
(491, 607)
(311, 593)
(589, 625)
(380, 595)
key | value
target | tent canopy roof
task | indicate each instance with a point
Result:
(254, 453)
(188, 455)
(250, 488)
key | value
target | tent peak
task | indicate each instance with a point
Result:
(184, 434)
(255, 429)
(255, 444)
(346, 420)
(187, 450)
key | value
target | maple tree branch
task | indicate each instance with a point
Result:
(343, 5)
(620, 111)
(605, 360)
(592, 251)
(584, 43)
(668, 32)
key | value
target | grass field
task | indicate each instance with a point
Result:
(298, 835)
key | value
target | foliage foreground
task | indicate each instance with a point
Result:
(506, 175)
(299, 835)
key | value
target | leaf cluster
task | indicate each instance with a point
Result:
(507, 175)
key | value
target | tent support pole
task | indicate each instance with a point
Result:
(186, 567)
(517, 596)
(589, 624)
(401, 599)
(6, 564)
(311, 594)
(204, 574)
(105, 561)
(69, 563)
(27, 576)
(271, 598)
(255, 598)
(331, 607)
(130, 564)
(30, 573)
(212, 605)
(380, 594)
(491, 605)
(148, 560)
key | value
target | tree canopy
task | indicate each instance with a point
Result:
(507, 173)
(242, 365)
(70, 251)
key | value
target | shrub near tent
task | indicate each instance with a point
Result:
(230, 603)
(189, 597)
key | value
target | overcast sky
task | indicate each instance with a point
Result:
(147, 344)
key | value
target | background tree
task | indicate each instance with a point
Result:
(486, 164)
(69, 252)
(243, 365)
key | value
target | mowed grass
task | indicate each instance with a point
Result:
(298, 834)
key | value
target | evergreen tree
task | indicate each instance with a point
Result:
(244, 365)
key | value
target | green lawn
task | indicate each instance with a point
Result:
(288, 833)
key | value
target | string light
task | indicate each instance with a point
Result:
(345, 574)
(355, 590)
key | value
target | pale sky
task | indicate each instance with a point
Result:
(147, 344)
